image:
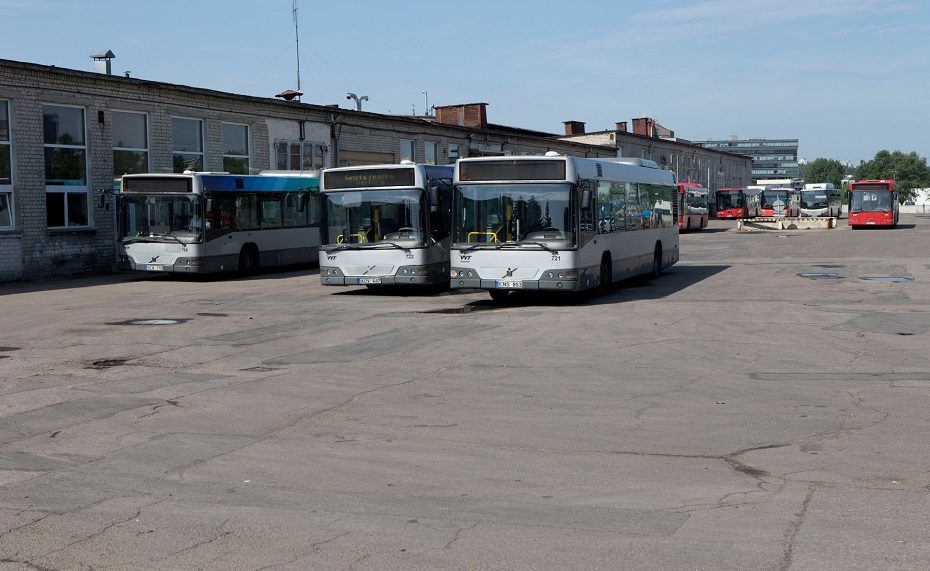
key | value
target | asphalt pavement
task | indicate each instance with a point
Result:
(762, 405)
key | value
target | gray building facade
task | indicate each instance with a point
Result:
(65, 135)
(771, 158)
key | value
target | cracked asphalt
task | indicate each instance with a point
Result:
(730, 415)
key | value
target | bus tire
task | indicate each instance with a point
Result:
(605, 274)
(248, 260)
(657, 262)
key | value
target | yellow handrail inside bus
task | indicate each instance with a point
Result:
(492, 236)
(341, 237)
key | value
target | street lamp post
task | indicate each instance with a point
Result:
(358, 100)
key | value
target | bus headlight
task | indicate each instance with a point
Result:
(458, 273)
(189, 262)
(413, 271)
(562, 274)
(330, 271)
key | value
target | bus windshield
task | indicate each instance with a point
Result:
(729, 199)
(870, 202)
(769, 197)
(502, 213)
(813, 199)
(372, 216)
(158, 218)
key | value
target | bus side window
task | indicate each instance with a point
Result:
(313, 208)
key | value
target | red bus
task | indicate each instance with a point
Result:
(873, 203)
(735, 203)
(692, 206)
(780, 201)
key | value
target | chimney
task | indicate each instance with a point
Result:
(621, 126)
(644, 126)
(573, 128)
(472, 115)
(102, 62)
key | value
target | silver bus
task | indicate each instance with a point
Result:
(560, 223)
(217, 222)
(386, 225)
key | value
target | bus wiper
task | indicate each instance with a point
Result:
(389, 243)
(168, 235)
(342, 247)
(540, 244)
(484, 246)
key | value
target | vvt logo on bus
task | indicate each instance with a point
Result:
(464, 257)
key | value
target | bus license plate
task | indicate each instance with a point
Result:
(870, 222)
(363, 281)
(512, 284)
(153, 268)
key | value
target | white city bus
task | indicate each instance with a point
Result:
(386, 225)
(821, 199)
(217, 222)
(560, 223)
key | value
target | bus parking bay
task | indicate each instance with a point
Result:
(760, 405)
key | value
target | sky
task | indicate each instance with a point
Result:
(847, 78)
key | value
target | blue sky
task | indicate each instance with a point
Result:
(846, 77)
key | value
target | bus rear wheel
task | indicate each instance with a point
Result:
(657, 262)
(248, 261)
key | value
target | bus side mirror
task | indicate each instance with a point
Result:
(434, 198)
(302, 200)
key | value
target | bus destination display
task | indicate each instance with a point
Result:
(369, 178)
(512, 170)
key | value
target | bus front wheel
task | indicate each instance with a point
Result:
(248, 260)
(605, 276)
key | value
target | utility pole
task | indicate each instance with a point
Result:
(297, 37)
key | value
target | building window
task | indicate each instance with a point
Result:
(236, 148)
(297, 156)
(187, 144)
(66, 199)
(406, 150)
(6, 168)
(430, 153)
(130, 142)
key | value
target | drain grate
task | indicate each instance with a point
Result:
(820, 275)
(888, 279)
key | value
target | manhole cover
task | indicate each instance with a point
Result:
(820, 275)
(890, 279)
(150, 322)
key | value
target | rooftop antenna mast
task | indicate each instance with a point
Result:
(297, 37)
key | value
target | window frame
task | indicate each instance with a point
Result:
(412, 147)
(310, 155)
(6, 188)
(148, 140)
(427, 145)
(248, 146)
(69, 191)
(203, 145)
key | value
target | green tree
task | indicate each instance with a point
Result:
(825, 170)
(908, 170)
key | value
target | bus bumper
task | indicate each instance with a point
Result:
(179, 266)
(414, 275)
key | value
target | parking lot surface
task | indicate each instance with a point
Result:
(763, 405)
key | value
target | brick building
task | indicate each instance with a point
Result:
(65, 135)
